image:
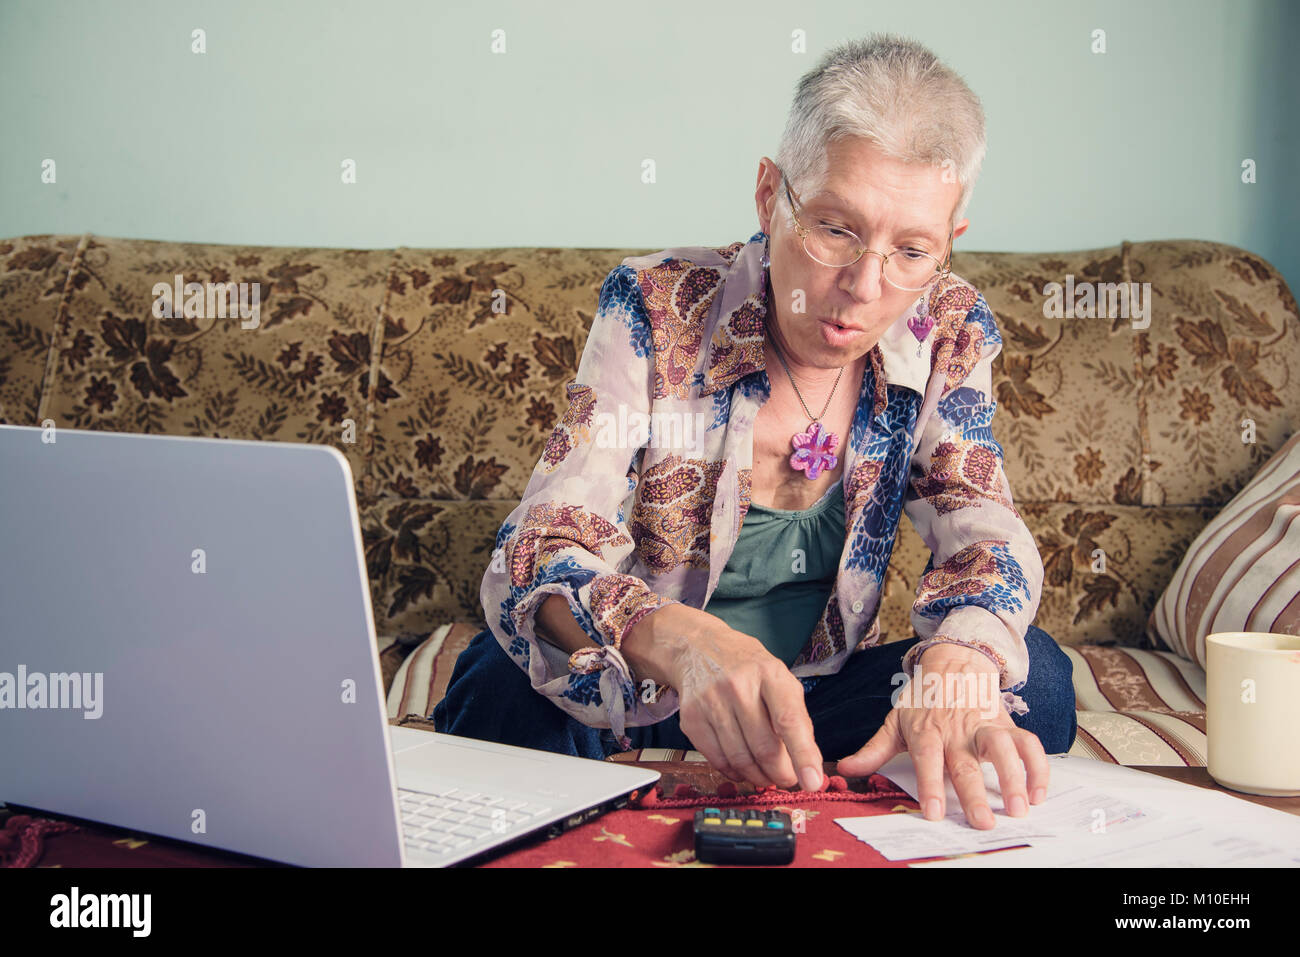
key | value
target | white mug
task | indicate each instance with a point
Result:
(1252, 711)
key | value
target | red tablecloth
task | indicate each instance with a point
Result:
(654, 831)
(657, 830)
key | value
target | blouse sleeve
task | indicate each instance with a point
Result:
(569, 536)
(982, 585)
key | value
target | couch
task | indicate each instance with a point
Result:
(439, 374)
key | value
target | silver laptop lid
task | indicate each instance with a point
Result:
(211, 598)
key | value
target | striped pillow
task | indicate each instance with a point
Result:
(1242, 573)
(421, 681)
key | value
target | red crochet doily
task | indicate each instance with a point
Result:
(834, 788)
(23, 839)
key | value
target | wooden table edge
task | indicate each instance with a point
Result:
(1200, 776)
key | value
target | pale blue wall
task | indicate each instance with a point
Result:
(542, 146)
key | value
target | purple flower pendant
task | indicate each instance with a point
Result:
(814, 450)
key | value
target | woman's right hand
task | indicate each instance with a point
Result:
(744, 710)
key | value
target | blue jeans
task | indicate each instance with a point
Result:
(490, 698)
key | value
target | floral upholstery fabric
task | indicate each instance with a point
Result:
(440, 374)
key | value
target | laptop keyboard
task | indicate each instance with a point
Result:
(451, 819)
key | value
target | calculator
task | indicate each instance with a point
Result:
(735, 836)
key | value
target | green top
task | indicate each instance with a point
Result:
(769, 590)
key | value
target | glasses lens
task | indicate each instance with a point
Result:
(911, 269)
(834, 247)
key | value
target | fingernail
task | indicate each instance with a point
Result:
(812, 778)
(1016, 806)
(932, 812)
(1039, 794)
(985, 816)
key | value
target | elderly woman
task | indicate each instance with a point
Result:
(698, 558)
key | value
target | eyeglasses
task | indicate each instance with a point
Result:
(906, 268)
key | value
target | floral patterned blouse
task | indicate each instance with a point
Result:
(639, 495)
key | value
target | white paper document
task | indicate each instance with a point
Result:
(1096, 815)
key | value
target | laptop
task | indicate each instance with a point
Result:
(187, 649)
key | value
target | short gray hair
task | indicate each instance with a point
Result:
(893, 92)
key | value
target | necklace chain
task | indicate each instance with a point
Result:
(796, 386)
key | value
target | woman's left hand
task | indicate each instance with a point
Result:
(957, 730)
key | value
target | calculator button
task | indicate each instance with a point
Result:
(711, 820)
(734, 820)
(753, 822)
(776, 824)
(711, 810)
